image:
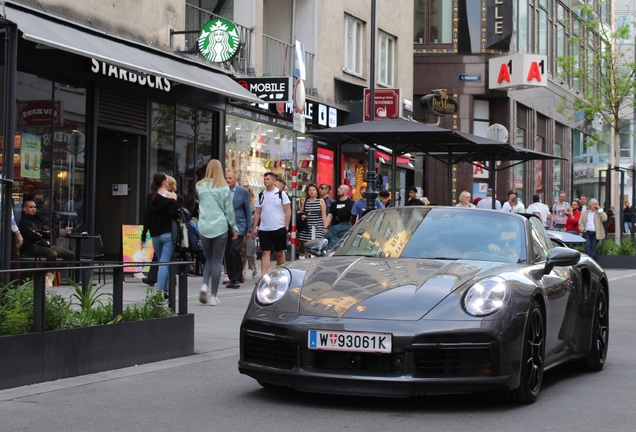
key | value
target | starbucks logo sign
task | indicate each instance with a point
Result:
(219, 40)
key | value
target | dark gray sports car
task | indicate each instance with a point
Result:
(428, 300)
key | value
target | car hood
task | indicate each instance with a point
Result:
(381, 288)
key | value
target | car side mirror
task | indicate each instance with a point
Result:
(561, 256)
(317, 247)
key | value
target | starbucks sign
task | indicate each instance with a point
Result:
(219, 40)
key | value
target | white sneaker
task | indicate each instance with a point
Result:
(203, 294)
(214, 301)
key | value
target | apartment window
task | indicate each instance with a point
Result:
(387, 60)
(354, 45)
(433, 21)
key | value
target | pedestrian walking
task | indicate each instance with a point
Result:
(558, 210)
(573, 216)
(413, 199)
(591, 226)
(628, 212)
(486, 203)
(233, 258)
(313, 212)
(339, 217)
(161, 210)
(271, 219)
(464, 200)
(540, 209)
(217, 223)
(250, 242)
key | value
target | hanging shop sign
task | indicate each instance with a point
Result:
(498, 25)
(144, 79)
(517, 71)
(439, 103)
(219, 40)
(269, 89)
(387, 103)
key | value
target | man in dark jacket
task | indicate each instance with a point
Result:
(233, 261)
(37, 240)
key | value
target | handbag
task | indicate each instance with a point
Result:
(301, 224)
(43, 242)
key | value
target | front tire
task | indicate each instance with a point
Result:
(533, 357)
(595, 359)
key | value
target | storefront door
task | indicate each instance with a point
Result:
(117, 187)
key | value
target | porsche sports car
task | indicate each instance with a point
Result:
(428, 300)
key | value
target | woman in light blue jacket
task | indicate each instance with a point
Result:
(216, 223)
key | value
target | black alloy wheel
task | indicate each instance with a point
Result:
(533, 357)
(595, 359)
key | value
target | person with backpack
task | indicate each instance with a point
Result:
(271, 219)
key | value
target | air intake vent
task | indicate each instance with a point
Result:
(122, 110)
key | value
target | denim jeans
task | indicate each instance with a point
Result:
(214, 250)
(164, 247)
(590, 243)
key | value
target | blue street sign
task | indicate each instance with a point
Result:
(465, 77)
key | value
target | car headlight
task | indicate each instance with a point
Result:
(273, 286)
(486, 296)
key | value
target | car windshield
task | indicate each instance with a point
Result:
(437, 233)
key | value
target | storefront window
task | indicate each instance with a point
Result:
(354, 172)
(519, 170)
(254, 148)
(184, 145)
(69, 158)
(204, 130)
(162, 139)
(32, 162)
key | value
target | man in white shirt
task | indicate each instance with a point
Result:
(486, 203)
(541, 210)
(273, 212)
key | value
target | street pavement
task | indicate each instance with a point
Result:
(94, 402)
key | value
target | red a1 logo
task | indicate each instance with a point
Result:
(517, 71)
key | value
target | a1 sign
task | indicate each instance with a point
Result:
(480, 170)
(517, 71)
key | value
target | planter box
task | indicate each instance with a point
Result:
(46, 356)
(616, 261)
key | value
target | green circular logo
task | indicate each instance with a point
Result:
(219, 40)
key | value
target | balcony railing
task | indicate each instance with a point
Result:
(276, 61)
(242, 63)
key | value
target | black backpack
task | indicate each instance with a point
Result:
(261, 197)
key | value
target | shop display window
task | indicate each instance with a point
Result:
(254, 148)
(50, 149)
(354, 172)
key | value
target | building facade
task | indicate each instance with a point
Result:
(107, 93)
(454, 54)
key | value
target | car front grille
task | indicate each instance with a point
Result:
(352, 363)
(266, 349)
(454, 361)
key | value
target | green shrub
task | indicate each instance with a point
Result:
(16, 309)
(607, 247)
(626, 248)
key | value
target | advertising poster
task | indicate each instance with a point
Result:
(31, 156)
(133, 249)
(326, 168)
(479, 190)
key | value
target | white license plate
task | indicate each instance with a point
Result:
(349, 341)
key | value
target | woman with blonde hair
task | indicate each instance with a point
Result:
(216, 223)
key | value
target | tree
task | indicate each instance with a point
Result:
(602, 73)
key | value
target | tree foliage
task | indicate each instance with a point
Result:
(605, 70)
